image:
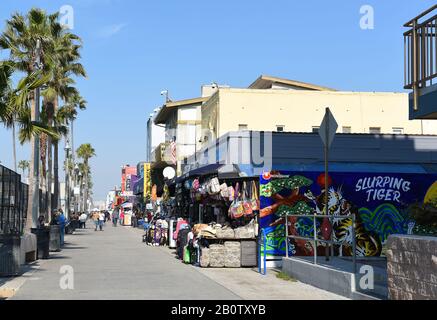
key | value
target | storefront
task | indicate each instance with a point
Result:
(385, 181)
(219, 212)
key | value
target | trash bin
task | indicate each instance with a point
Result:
(55, 238)
(9, 255)
(42, 242)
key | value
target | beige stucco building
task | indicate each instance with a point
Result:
(274, 104)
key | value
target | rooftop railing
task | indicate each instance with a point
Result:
(420, 52)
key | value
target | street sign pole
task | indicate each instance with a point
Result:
(327, 132)
(326, 178)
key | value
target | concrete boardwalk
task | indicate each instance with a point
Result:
(116, 265)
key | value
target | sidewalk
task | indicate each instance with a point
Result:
(115, 265)
(248, 284)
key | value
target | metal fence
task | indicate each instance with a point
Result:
(317, 240)
(13, 202)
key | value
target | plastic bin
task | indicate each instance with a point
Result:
(42, 242)
(55, 238)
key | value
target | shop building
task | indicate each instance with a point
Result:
(275, 104)
(378, 178)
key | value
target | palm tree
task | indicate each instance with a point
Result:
(66, 49)
(86, 152)
(28, 38)
(62, 119)
(5, 91)
(85, 172)
(14, 103)
(23, 165)
(6, 71)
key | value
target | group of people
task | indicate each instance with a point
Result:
(79, 219)
(57, 218)
(100, 218)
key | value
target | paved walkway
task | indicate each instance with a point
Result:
(115, 264)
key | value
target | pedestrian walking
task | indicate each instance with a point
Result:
(115, 216)
(62, 221)
(95, 218)
(82, 220)
(121, 218)
(101, 220)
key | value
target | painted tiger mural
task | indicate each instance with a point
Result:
(367, 243)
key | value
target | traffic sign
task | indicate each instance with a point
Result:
(328, 128)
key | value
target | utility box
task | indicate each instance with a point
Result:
(9, 255)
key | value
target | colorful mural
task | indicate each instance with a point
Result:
(379, 201)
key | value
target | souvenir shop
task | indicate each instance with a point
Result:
(218, 221)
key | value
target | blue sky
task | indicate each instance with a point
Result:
(135, 49)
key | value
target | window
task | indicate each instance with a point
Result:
(280, 128)
(316, 129)
(375, 130)
(347, 129)
(398, 130)
(242, 127)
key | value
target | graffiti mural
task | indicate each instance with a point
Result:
(379, 201)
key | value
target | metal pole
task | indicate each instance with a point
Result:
(286, 235)
(354, 255)
(326, 176)
(415, 68)
(315, 239)
(36, 155)
(67, 182)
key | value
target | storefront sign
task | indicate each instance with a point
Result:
(127, 194)
(147, 180)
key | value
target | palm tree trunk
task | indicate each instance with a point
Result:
(14, 146)
(85, 198)
(49, 178)
(56, 174)
(50, 112)
(56, 164)
(33, 174)
(43, 170)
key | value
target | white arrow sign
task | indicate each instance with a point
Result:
(328, 128)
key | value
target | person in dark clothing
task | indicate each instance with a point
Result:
(115, 216)
(54, 219)
(41, 221)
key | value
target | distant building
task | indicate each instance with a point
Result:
(155, 136)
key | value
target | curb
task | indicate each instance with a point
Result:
(10, 288)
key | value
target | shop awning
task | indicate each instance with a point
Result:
(126, 205)
(205, 170)
(209, 169)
